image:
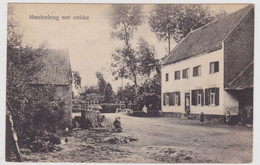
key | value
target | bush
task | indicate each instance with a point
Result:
(109, 108)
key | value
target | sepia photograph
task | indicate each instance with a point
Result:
(129, 83)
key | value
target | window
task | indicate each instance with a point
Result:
(165, 95)
(197, 97)
(197, 71)
(167, 77)
(177, 98)
(212, 96)
(177, 75)
(171, 96)
(185, 73)
(167, 99)
(172, 99)
(214, 67)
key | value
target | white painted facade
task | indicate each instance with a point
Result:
(204, 81)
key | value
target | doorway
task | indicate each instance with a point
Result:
(187, 104)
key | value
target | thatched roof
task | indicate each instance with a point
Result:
(244, 80)
(206, 39)
(56, 68)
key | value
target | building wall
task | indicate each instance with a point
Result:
(239, 48)
(231, 102)
(204, 81)
(238, 54)
(64, 93)
(246, 105)
(61, 93)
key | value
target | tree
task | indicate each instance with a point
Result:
(91, 93)
(176, 21)
(129, 92)
(101, 83)
(150, 93)
(22, 64)
(125, 19)
(148, 62)
(109, 93)
(126, 64)
(105, 89)
(76, 79)
(32, 109)
(163, 21)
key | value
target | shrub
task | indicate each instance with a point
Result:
(109, 108)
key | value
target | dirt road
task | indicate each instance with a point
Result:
(158, 139)
(202, 142)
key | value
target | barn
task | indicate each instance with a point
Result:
(56, 72)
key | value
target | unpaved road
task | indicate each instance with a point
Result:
(202, 142)
(160, 140)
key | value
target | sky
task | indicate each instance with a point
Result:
(89, 41)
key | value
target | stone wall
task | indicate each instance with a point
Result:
(63, 93)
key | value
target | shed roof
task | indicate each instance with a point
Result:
(244, 80)
(56, 68)
(206, 39)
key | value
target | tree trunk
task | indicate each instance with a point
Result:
(135, 81)
(169, 41)
(122, 88)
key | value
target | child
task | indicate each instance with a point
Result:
(117, 124)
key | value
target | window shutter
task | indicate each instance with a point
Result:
(216, 66)
(179, 98)
(217, 96)
(164, 99)
(206, 96)
(193, 101)
(194, 70)
(171, 99)
(196, 97)
(202, 97)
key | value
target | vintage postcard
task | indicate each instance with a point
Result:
(129, 83)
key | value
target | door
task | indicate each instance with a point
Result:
(187, 103)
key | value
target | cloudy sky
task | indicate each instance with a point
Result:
(89, 41)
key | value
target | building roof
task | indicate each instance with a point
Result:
(206, 39)
(244, 80)
(56, 68)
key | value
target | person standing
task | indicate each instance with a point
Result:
(144, 109)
